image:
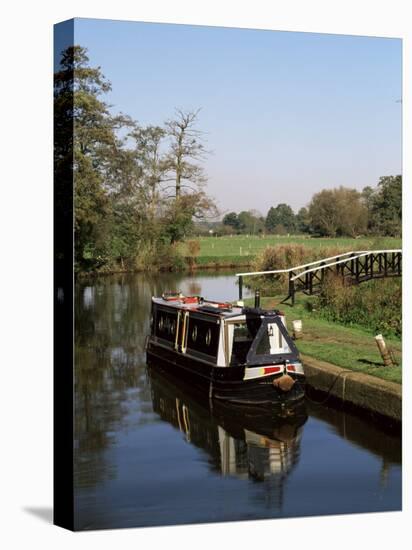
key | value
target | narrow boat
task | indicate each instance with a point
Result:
(242, 355)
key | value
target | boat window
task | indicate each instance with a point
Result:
(241, 333)
(166, 324)
(208, 337)
(272, 342)
(242, 340)
(203, 336)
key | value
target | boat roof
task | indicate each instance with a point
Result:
(211, 307)
(208, 307)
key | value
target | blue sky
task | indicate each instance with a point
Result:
(285, 114)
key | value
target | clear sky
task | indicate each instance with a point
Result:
(285, 114)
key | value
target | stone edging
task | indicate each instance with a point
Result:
(362, 390)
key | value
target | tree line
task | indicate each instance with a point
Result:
(331, 212)
(137, 189)
(140, 189)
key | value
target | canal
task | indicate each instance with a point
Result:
(148, 451)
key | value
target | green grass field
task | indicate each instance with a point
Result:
(241, 249)
(348, 347)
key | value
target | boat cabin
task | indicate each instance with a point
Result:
(219, 333)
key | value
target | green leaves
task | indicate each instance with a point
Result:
(386, 207)
(281, 219)
(125, 211)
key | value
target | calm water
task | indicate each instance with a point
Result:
(150, 452)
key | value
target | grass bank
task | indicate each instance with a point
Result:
(241, 250)
(348, 347)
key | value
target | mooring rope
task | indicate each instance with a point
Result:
(343, 372)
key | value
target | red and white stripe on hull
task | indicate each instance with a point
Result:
(295, 368)
(267, 370)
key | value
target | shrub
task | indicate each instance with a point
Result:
(376, 304)
(193, 249)
(284, 257)
(159, 257)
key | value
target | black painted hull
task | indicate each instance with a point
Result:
(225, 383)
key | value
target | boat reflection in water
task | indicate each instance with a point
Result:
(260, 444)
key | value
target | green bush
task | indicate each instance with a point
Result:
(286, 256)
(376, 304)
(159, 257)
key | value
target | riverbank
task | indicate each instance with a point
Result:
(230, 252)
(343, 365)
(209, 265)
(380, 398)
(348, 347)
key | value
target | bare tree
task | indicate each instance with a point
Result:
(186, 147)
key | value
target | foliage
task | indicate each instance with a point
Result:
(281, 257)
(332, 213)
(303, 221)
(193, 249)
(280, 219)
(138, 189)
(336, 212)
(76, 99)
(376, 305)
(231, 220)
(250, 222)
(385, 206)
(125, 214)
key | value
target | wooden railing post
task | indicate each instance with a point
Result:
(257, 298)
(360, 266)
(292, 288)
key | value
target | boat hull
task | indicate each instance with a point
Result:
(226, 383)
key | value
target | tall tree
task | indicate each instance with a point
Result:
(231, 220)
(282, 215)
(186, 150)
(181, 164)
(303, 220)
(386, 206)
(338, 212)
(250, 222)
(78, 90)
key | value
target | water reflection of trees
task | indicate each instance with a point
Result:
(383, 440)
(111, 323)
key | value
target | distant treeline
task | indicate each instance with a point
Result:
(330, 213)
(140, 189)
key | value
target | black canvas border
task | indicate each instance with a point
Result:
(63, 322)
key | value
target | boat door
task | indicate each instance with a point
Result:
(272, 344)
(181, 331)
